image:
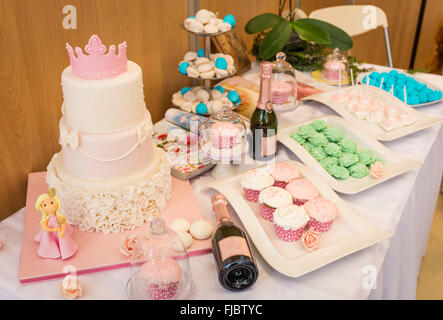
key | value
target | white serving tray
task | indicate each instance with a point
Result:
(394, 163)
(429, 84)
(349, 232)
(422, 120)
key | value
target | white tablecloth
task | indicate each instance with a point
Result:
(404, 206)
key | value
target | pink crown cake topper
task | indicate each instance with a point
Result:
(97, 64)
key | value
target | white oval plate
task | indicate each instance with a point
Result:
(394, 163)
(349, 232)
(422, 120)
(430, 86)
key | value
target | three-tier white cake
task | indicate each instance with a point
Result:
(108, 174)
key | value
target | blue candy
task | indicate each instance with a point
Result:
(220, 88)
(182, 67)
(233, 96)
(423, 97)
(191, 17)
(365, 79)
(237, 103)
(221, 63)
(201, 53)
(184, 90)
(413, 100)
(201, 108)
(229, 19)
(438, 94)
(393, 72)
(374, 75)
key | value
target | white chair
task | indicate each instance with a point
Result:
(355, 20)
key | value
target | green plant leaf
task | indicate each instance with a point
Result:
(262, 22)
(275, 40)
(339, 38)
(311, 32)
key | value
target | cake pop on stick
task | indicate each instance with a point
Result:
(404, 94)
(339, 82)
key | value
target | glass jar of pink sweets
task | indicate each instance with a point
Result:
(160, 268)
(283, 85)
(335, 68)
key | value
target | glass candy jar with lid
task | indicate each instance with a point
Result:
(160, 268)
(335, 68)
(284, 84)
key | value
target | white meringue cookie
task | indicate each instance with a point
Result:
(185, 241)
(216, 105)
(187, 23)
(190, 56)
(207, 75)
(214, 56)
(196, 26)
(194, 106)
(190, 96)
(213, 20)
(192, 72)
(177, 99)
(200, 229)
(215, 94)
(211, 28)
(224, 27)
(196, 89)
(203, 16)
(220, 73)
(204, 67)
(200, 61)
(187, 106)
(219, 21)
(229, 59)
(231, 69)
(203, 95)
(180, 225)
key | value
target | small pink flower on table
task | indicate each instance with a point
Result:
(128, 245)
(311, 240)
(71, 288)
(377, 170)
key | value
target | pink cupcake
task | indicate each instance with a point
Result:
(162, 278)
(322, 213)
(272, 198)
(283, 173)
(224, 134)
(255, 181)
(302, 190)
(280, 91)
(333, 70)
(289, 222)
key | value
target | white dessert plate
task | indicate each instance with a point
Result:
(422, 120)
(394, 164)
(205, 34)
(429, 84)
(349, 232)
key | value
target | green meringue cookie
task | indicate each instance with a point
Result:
(308, 146)
(317, 153)
(318, 139)
(347, 159)
(305, 131)
(366, 157)
(298, 138)
(348, 146)
(338, 172)
(332, 149)
(358, 170)
(319, 124)
(334, 134)
(328, 162)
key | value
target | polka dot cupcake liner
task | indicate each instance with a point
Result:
(299, 202)
(280, 184)
(251, 195)
(288, 235)
(266, 212)
(319, 226)
(279, 98)
(223, 142)
(162, 292)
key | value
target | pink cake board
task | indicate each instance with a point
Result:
(97, 251)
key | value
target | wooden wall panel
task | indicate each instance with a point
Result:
(433, 15)
(402, 19)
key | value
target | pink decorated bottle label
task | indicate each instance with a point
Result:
(269, 146)
(233, 246)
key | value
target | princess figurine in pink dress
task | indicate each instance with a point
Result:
(55, 237)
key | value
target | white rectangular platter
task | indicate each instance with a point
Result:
(349, 232)
(422, 120)
(361, 76)
(394, 163)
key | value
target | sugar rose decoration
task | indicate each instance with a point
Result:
(377, 170)
(128, 245)
(311, 240)
(71, 288)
